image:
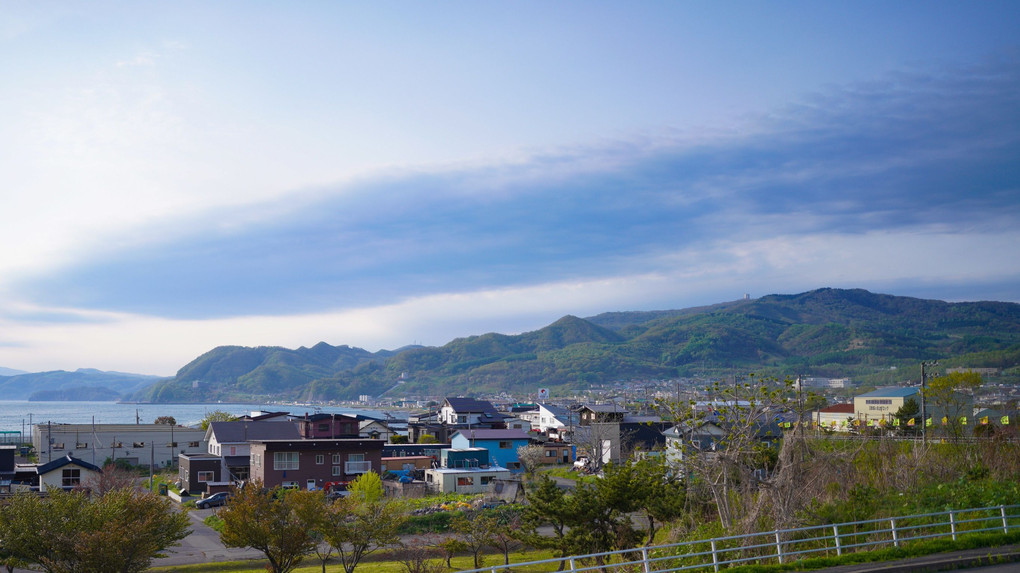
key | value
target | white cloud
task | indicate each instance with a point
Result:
(704, 275)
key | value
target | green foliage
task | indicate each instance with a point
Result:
(828, 332)
(121, 530)
(269, 521)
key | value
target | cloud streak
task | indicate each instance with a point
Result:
(929, 155)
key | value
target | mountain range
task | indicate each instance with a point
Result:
(84, 384)
(825, 332)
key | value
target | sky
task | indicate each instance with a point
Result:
(176, 176)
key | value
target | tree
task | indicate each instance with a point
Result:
(121, 531)
(314, 510)
(475, 530)
(910, 410)
(166, 420)
(113, 477)
(547, 505)
(217, 416)
(531, 458)
(505, 529)
(729, 464)
(415, 558)
(662, 496)
(951, 396)
(364, 521)
(427, 439)
(268, 521)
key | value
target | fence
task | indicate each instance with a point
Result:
(787, 544)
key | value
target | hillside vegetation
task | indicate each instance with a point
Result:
(826, 332)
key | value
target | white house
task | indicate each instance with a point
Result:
(464, 480)
(66, 473)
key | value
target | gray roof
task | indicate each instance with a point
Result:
(241, 432)
(486, 434)
(470, 405)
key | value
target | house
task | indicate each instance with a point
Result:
(600, 413)
(374, 429)
(558, 453)
(195, 472)
(709, 434)
(551, 420)
(454, 414)
(66, 473)
(835, 416)
(470, 412)
(263, 416)
(501, 444)
(465, 480)
(311, 464)
(619, 436)
(407, 463)
(464, 458)
(231, 442)
(327, 426)
(138, 444)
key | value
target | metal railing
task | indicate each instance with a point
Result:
(784, 545)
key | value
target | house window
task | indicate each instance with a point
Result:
(320, 459)
(356, 464)
(505, 444)
(137, 444)
(337, 458)
(285, 461)
(171, 444)
(513, 465)
(206, 476)
(71, 477)
(323, 427)
(117, 445)
(193, 444)
(233, 450)
(82, 445)
(461, 419)
(256, 460)
(465, 481)
(486, 480)
(550, 453)
(58, 446)
(338, 471)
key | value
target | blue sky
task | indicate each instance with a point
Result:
(179, 176)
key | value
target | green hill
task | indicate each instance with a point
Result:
(826, 332)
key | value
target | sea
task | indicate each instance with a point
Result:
(19, 415)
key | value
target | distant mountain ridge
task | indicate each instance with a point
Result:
(825, 332)
(82, 384)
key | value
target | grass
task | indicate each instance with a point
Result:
(386, 562)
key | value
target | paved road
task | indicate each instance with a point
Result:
(203, 545)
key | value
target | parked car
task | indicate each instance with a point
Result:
(214, 500)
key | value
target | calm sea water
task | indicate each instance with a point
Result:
(16, 415)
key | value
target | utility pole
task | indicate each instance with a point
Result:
(924, 412)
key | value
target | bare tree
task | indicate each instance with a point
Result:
(531, 457)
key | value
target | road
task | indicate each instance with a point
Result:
(203, 545)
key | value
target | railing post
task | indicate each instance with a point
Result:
(895, 540)
(779, 548)
(573, 567)
(952, 524)
(644, 559)
(1005, 523)
(835, 535)
(715, 557)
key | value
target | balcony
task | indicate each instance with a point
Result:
(357, 467)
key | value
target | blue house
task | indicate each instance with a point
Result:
(502, 445)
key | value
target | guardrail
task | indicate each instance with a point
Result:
(788, 544)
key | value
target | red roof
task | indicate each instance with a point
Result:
(838, 409)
